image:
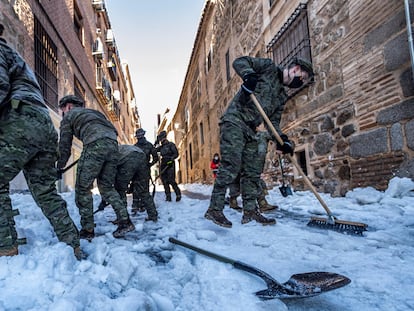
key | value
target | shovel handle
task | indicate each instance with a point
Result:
(202, 251)
(292, 159)
(70, 166)
(271, 282)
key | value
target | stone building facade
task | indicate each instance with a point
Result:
(71, 47)
(353, 126)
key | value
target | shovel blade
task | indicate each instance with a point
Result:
(285, 191)
(304, 285)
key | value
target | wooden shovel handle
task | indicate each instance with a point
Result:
(292, 159)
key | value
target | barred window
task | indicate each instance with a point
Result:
(46, 65)
(292, 40)
(78, 22)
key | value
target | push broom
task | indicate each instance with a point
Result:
(332, 222)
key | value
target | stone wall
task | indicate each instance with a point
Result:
(354, 125)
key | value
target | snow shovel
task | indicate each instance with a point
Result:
(284, 189)
(332, 222)
(298, 286)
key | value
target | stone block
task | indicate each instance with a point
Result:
(370, 143)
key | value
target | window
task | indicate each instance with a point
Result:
(201, 133)
(46, 65)
(292, 40)
(191, 156)
(78, 22)
(209, 59)
(271, 2)
(228, 65)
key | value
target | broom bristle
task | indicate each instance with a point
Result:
(355, 228)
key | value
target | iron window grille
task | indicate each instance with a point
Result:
(291, 41)
(46, 65)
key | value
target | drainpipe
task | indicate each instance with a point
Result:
(410, 35)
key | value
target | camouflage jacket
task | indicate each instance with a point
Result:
(168, 151)
(17, 80)
(269, 91)
(149, 149)
(125, 150)
(87, 125)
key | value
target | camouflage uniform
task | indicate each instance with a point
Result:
(99, 160)
(169, 153)
(28, 142)
(234, 189)
(238, 140)
(141, 184)
(133, 165)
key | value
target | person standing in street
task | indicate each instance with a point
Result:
(99, 160)
(28, 142)
(214, 164)
(169, 153)
(140, 185)
(238, 126)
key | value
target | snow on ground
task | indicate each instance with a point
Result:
(146, 272)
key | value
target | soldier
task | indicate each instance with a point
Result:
(263, 138)
(28, 142)
(169, 153)
(141, 185)
(99, 160)
(238, 140)
(133, 166)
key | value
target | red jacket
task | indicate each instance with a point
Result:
(214, 167)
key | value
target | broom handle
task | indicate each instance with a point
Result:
(292, 159)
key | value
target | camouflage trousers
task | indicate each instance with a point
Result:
(98, 161)
(28, 142)
(234, 188)
(135, 169)
(168, 179)
(238, 149)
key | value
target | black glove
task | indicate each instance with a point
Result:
(287, 146)
(249, 83)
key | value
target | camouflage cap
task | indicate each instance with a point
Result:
(304, 64)
(140, 133)
(71, 99)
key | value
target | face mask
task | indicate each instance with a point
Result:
(295, 83)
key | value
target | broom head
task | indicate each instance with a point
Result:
(343, 226)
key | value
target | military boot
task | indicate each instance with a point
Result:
(87, 234)
(264, 206)
(168, 197)
(218, 218)
(124, 226)
(248, 216)
(78, 253)
(234, 205)
(9, 251)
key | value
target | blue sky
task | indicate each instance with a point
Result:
(156, 39)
